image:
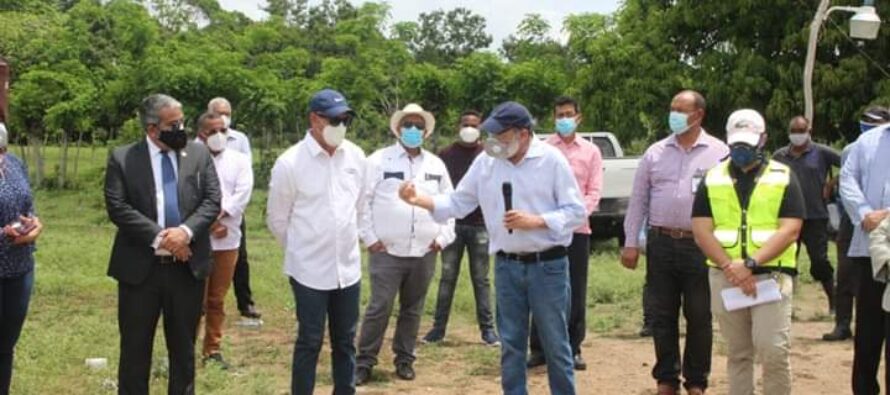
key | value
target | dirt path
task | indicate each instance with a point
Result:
(617, 364)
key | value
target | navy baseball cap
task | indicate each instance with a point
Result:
(329, 103)
(505, 116)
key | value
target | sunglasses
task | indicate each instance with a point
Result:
(214, 131)
(339, 121)
(409, 125)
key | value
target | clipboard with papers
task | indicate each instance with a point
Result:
(767, 292)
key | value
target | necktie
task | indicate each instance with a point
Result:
(171, 198)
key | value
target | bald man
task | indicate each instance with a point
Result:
(812, 163)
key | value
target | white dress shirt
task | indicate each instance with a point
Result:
(239, 142)
(405, 230)
(313, 211)
(543, 184)
(236, 184)
(155, 154)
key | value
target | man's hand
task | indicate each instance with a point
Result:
(873, 219)
(629, 257)
(183, 255)
(377, 247)
(736, 272)
(749, 286)
(175, 240)
(435, 247)
(515, 219)
(218, 230)
(408, 193)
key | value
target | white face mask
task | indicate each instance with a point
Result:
(799, 139)
(469, 135)
(496, 149)
(334, 135)
(227, 121)
(217, 142)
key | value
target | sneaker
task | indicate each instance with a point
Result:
(216, 359)
(490, 338)
(362, 375)
(405, 371)
(535, 360)
(433, 336)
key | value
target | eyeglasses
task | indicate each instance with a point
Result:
(409, 125)
(214, 131)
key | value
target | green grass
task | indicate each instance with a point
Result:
(73, 309)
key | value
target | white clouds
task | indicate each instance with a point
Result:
(502, 16)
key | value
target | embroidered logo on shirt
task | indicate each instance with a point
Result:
(433, 177)
(397, 174)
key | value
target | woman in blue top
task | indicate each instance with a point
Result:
(20, 229)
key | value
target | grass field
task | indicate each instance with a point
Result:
(73, 309)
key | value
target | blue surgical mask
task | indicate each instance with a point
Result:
(864, 127)
(743, 155)
(566, 126)
(679, 122)
(412, 137)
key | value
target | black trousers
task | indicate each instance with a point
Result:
(872, 329)
(814, 235)
(677, 276)
(241, 279)
(579, 259)
(847, 276)
(173, 291)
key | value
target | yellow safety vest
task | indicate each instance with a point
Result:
(739, 229)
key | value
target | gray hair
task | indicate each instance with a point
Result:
(697, 99)
(149, 110)
(206, 117)
(216, 101)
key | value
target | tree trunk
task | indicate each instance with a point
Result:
(37, 158)
(63, 161)
(77, 154)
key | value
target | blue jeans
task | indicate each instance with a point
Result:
(340, 307)
(475, 240)
(15, 293)
(541, 289)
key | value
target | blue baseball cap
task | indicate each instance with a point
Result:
(329, 103)
(505, 116)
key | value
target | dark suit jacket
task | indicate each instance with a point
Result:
(132, 206)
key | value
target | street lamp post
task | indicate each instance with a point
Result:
(863, 25)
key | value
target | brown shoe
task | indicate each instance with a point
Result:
(695, 391)
(667, 389)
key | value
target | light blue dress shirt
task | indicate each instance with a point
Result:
(543, 184)
(865, 182)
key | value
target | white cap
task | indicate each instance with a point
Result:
(428, 119)
(4, 136)
(745, 126)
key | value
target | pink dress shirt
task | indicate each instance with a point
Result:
(586, 162)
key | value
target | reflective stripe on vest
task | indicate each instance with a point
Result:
(737, 229)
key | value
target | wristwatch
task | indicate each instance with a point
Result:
(751, 263)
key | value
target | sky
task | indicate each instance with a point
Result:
(502, 16)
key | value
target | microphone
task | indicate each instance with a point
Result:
(507, 191)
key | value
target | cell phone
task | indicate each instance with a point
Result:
(22, 228)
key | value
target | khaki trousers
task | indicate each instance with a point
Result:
(763, 331)
(214, 298)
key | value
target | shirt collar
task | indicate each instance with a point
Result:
(535, 150)
(556, 140)
(805, 151)
(402, 152)
(703, 140)
(315, 148)
(153, 149)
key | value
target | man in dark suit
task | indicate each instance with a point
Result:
(163, 194)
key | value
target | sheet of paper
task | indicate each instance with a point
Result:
(767, 292)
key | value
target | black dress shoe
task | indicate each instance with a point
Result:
(216, 359)
(579, 362)
(251, 312)
(535, 360)
(405, 371)
(362, 375)
(838, 334)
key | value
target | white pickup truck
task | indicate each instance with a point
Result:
(618, 179)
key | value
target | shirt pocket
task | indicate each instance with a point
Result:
(349, 183)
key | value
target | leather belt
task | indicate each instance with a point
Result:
(673, 233)
(165, 260)
(535, 257)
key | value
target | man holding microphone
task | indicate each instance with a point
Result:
(530, 241)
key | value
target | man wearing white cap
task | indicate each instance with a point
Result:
(403, 240)
(751, 246)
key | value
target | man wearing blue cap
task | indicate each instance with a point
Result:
(531, 205)
(314, 196)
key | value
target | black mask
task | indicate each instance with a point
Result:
(175, 137)
(743, 155)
